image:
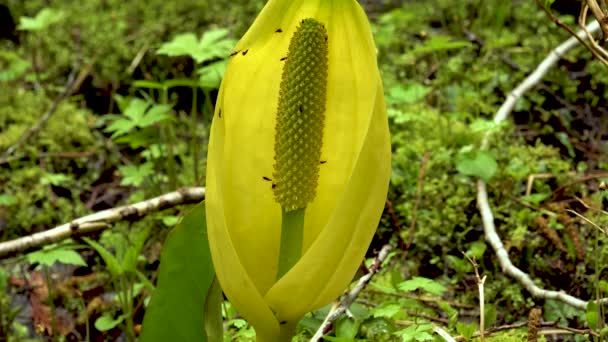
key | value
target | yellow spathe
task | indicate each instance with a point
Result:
(243, 219)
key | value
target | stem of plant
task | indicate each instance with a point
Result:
(292, 235)
(195, 142)
(169, 139)
(47, 278)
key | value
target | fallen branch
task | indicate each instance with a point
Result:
(101, 220)
(482, 195)
(338, 309)
(535, 77)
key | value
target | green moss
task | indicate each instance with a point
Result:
(44, 186)
(109, 34)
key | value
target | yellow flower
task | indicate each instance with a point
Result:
(341, 215)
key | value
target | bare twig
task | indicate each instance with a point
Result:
(582, 19)
(482, 196)
(339, 308)
(594, 26)
(480, 283)
(538, 74)
(101, 220)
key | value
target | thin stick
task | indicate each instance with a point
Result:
(339, 308)
(535, 77)
(482, 311)
(482, 195)
(101, 220)
(591, 28)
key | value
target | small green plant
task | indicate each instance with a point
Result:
(127, 280)
(44, 259)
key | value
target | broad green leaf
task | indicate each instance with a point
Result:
(212, 317)
(51, 256)
(110, 260)
(45, 18)
(176, 311)
(479, 164)
(422, 283)
(107, 322)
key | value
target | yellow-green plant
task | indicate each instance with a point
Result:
(299, 161)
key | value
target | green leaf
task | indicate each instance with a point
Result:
(536, 198)
(57, 179)
(479, 164)
(110, 260)
(129, 263)
(157, 113)
(135, 175)
(439, 43)
(212, 45)
(212, 317)
(107, 322)
(416, 333)
(347, 327)
(7, 200)
(477, 249)
(210, 76)
(426, 284)
(170, 220)
(387, 309)
(176, 311)
(466, 329)
(407, 94)
(591, 315)
(13, 66)
(48, 257)
(45, 18)
(181, 45)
